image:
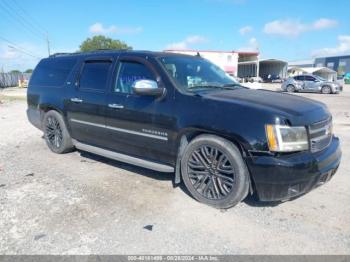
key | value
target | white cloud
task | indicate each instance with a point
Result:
(187, 42)
(245, 30)
(252, 46)
(343, 47)
(8, 53)
(99, 28)
(293, 28)
(11, 58)
(324, 23)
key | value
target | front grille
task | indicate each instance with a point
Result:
(320, 135)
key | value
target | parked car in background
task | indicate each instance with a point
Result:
(236, 78)
(310, 83)
(23, 83)
(272, 79)
(252, 79)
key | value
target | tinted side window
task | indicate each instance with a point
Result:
(128, 73)
(309, 78)
(299, 78)
(94, 75)
(52, 72)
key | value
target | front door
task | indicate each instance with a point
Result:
(86, 104)
(310, 84)
(136, 124)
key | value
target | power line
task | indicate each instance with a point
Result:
(26, 20)
(33, 27)
(18, 48)
(28, 15)
(16, 26)
(9, 11)
(24, 52)
(10, 6)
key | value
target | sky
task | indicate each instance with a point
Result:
(281, 29)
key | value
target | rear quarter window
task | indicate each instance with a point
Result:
(52, 72)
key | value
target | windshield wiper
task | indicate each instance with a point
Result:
(225, 87)
(232, 85)
(203, 86)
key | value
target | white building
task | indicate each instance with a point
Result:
(241, 64)
(226, 60)
(324, 72)
(302, 63)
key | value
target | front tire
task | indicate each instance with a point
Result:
(56, 134)
(214, 172)
(326, 90)
(290, 89)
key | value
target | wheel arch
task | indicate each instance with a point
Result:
(187, 135)
(46, 107)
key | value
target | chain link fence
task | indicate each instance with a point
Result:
(12, 79)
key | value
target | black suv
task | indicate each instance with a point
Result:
(177, 113)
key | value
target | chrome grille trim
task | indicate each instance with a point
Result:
(320, 134)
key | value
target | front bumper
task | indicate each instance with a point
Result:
(283, 177)
(340, 88)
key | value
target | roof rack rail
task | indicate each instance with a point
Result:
(97, 51)
(59, 54)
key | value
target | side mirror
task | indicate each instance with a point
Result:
(147, 88)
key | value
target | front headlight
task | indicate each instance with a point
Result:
(286, 138)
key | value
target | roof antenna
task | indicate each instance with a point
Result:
(198, 54)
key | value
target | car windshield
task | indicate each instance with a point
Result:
(195, 73)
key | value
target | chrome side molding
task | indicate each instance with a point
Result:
(123, 158)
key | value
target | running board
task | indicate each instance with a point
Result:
(123, 158)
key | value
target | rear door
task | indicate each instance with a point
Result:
(138, 126)
(86, 104)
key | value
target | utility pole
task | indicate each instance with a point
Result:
(258, 62)
(48, 43)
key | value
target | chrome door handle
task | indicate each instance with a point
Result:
(118, 106)
(76, 100)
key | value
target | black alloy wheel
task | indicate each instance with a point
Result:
(211, 173)
(214, 171)
(56, 134)
(53, 132)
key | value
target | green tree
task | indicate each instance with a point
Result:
(102, 42)
(29, 71)
(15, 71)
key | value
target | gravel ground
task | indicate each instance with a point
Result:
(78, 203)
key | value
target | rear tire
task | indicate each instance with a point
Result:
(214, 172)
(290, 89)
(56, 134)
(326, 90)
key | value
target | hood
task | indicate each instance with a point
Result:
(295, 108)
(330, 83)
